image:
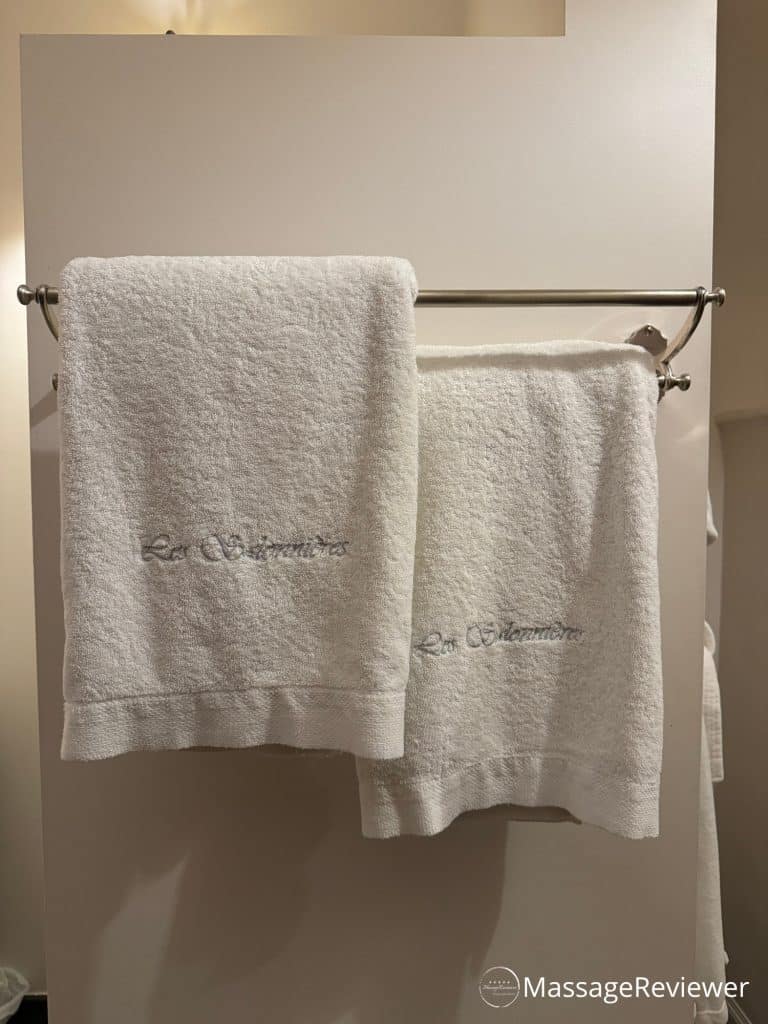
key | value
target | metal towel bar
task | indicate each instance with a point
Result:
(697, 299)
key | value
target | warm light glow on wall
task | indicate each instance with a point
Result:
(356, 17)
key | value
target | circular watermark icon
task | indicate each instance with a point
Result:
(499, 987)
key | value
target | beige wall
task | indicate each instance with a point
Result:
(21, 887)
(742, 798)
(21, 939)
(739, 483)
(740, 349)
(143, 850)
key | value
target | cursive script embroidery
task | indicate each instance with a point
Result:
(160, 547)
(437, 645)
(483, 635)
(490, 633)
(216, 547)
(220, 547)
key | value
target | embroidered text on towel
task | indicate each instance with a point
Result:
(488, 634)
(217, 547)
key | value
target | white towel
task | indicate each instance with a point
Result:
(712, 533)
(711, 703)
(238, 479)
(536, 663)
(711, 708)
(711, 958)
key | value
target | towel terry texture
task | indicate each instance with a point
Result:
(711, 707)
(711, 958)
(238, 480)
(536, 657)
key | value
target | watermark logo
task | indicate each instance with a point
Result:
(499, 987)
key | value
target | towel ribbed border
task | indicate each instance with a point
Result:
(367, 724)
(427, 804)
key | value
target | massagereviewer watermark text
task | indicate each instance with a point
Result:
(500, 987)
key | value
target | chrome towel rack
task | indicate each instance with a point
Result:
(697, 299)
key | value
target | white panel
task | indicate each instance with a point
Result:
(202, 887)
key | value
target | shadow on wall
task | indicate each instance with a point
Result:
(273, 897)
(257, 871)
(743, 669)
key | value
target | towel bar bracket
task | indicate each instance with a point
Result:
(45, 296)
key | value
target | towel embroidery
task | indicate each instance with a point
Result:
(437, 645)
(490, 633)
(219, 547)
(163, 549)
(483, 635)
(216, 547)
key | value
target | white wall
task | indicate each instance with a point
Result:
(21, 911)
(217, 883)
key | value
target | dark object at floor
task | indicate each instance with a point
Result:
(33, 1010)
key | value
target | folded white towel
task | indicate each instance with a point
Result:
(711, 703)
(238, 478)
(536, 661)
(712, 533)
(711, 708)
(711, 958)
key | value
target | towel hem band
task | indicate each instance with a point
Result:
(626, 807)
(366, 724)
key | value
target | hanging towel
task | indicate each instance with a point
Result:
(711, 707)
(238, 481)
(711, 958)
(711, 704)
(536, 664)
